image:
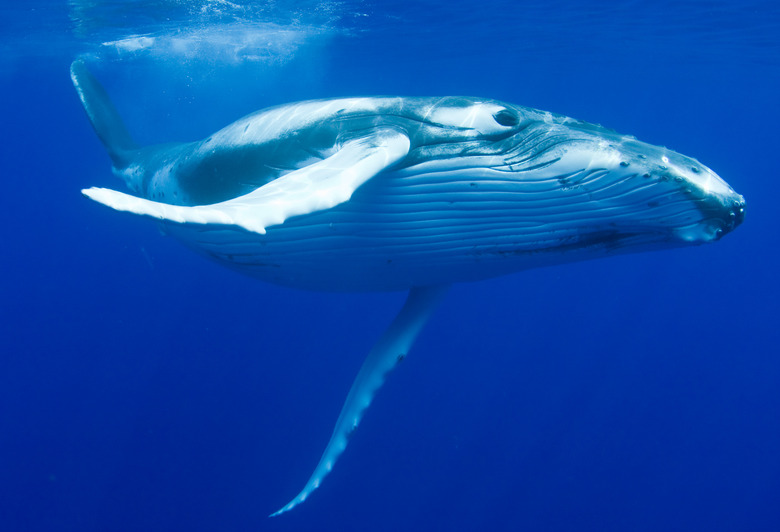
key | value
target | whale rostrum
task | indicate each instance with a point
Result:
(391, 193)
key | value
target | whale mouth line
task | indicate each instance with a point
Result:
(606, 241)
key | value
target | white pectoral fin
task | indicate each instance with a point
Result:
(391, 348)
(316, 187)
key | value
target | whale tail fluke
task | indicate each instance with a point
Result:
(103, 115)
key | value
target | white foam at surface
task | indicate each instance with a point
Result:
(228, 43)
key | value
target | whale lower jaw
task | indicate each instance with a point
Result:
(416, 229)
(343, 268)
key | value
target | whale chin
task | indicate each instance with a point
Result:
(702, 232)
(721, 217)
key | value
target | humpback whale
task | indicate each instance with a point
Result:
(391, 193)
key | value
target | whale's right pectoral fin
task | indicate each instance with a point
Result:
(391, 348)
(316, 187)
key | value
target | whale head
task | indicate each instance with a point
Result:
(660, 196)
(568, 189)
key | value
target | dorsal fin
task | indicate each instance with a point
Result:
(103, 115)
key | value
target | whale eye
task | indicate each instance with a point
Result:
(507, 118)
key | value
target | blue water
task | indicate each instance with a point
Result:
(145, 388)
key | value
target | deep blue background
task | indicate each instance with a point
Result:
(144, 388)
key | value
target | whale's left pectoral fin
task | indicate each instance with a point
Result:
(316, 187)
(385, 355)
